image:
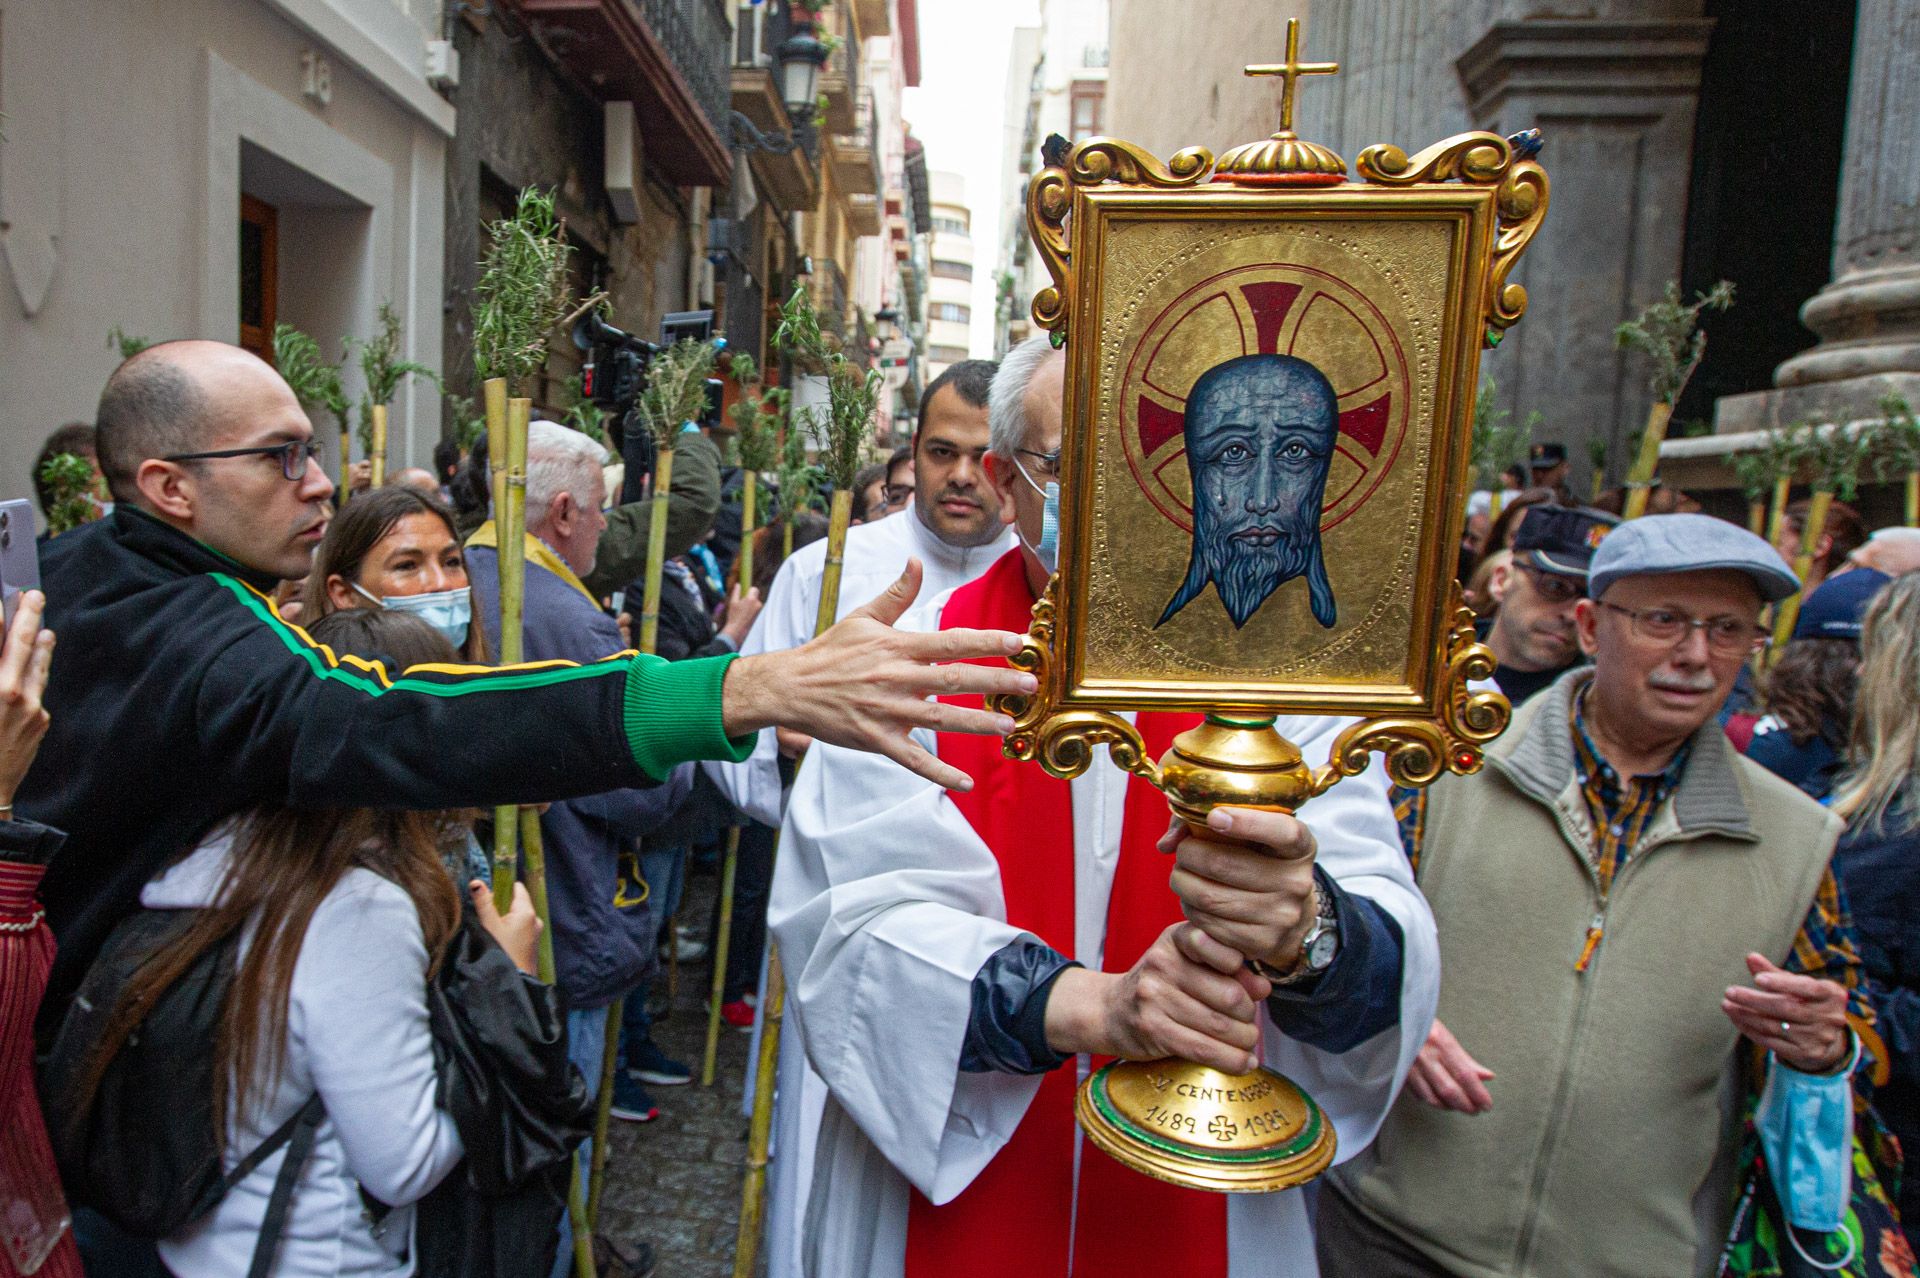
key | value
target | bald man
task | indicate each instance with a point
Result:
(182, 698)
(421, 481)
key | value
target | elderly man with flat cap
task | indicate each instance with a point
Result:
(1621, 899)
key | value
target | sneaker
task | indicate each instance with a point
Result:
(738, 1014)
(631, 1104)
(646, 1062)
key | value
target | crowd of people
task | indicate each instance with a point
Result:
(1639, 997)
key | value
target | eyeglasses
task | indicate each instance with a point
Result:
(1552, 586)
(1049, 462)
(1667, 625)
(294, 455)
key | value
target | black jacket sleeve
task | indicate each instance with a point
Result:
(347, 732)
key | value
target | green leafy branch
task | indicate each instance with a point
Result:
(70, 482)
(315, 382)
(1668, 333)
(522, 291)
(757, 417)
(581, 413)
(1498, 441)
(1755, 471)
(127, 344)
(1896, 440)
(853, 395)
(799, 479)
(676, 391)
(384, 370)
(468, 422)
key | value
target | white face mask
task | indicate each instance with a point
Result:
(1048, 551)
(448, 611)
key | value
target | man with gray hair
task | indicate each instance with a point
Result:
(602, 929)
(1621, 900)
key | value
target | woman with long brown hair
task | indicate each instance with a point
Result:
(396, 548)
(1878, 860)
(344, 915)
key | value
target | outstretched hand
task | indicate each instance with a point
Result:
(865, 685)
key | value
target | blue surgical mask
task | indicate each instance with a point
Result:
(1806, 1131)
(448, 611)
(1048, 551)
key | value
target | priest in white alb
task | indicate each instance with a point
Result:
(958, 962)
(954, 529)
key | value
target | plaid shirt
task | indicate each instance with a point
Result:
(1620, 812)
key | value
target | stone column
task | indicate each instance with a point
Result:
(1868, 318)
(1614, 100)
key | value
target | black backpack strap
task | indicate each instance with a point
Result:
(297, 1134)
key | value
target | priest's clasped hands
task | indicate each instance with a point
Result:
(1247, 890)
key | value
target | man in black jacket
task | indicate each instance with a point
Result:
(182, 698)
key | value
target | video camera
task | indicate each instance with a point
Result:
(615, 373)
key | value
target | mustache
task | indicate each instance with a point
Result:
(1699, 681)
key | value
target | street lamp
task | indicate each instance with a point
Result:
(800, 57)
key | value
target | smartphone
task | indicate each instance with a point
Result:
(19, 556)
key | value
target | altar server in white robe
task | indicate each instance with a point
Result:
(957, 961)
(953, 527)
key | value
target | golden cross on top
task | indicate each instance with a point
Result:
(1290, 72)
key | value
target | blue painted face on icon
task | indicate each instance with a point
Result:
(1259, 432)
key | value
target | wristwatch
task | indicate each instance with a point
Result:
(1318, 947)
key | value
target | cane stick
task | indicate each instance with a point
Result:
(1789, 609)
(1782, 486)
(377, 455)
(649, 642)
(505, 826)
(1913, 499)
(730, 862)
(753, 1198)
(1647, 464)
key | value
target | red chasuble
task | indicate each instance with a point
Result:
(1019, 1217)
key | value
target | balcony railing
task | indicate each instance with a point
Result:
(697, 37)
(668, 57)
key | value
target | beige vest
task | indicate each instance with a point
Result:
(1607, 1113)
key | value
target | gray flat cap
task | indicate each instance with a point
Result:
(1688, 543)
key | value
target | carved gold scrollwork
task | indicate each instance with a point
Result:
(1092, 162)
(1063, 742)
(1417, 751)
(1481, 159)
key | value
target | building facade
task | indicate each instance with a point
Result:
(207, 168)
(1675, 155)
(950, 289)
(1056, 84)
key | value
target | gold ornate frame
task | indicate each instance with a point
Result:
(1427, 724)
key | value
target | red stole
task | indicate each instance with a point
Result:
(1018, 1216)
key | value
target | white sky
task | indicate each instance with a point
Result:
(957, 111)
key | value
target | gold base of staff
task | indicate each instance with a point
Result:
(1194, 1126)
(1189, 1124)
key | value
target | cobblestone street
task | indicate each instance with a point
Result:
(676, 1181)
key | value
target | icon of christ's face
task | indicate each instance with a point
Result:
(1259, 431)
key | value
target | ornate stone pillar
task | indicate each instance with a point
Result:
(1868, 317)
(1614, 100)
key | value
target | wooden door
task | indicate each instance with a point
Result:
(259, 275)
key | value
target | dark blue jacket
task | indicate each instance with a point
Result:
(600, 949)
(1879, 872)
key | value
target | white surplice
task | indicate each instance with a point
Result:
(886, 905)
(876, 555)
